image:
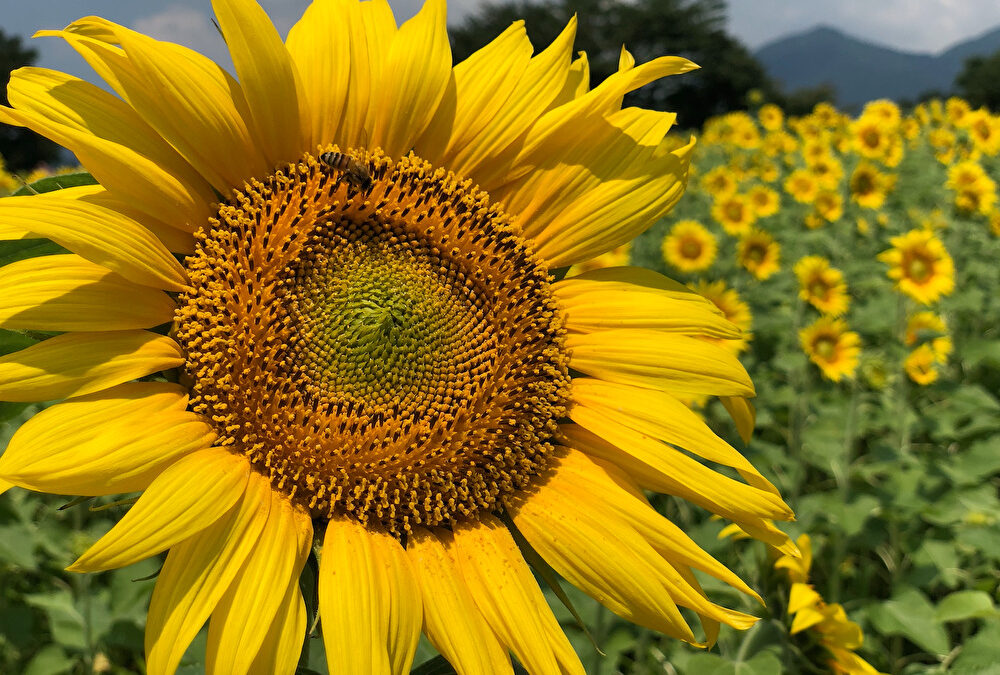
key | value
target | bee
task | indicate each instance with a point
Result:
(351, 170)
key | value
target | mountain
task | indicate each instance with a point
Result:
(861, 71)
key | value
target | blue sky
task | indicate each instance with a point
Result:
(914, 25)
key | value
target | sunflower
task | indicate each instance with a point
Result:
(765, 201)
(771, 117)
(984, 130)
(802, 185)
(830, 345)
(836, 635)
(975, 191)
(616, 257)
(921, 365)
(351, 247)
(719, 181)
(689, 247)
(956, 110)
(829, 206)
(827, 169)
(920, 266)
(822, 286)
(929, 328)
(759, 254)
(736, 311)
(734, 213)
(869, 186)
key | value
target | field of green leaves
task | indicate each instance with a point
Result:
(860, 256)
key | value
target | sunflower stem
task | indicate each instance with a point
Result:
(842, 474)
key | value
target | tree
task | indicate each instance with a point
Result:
(694, 29)
(20, 148)
(979, 81)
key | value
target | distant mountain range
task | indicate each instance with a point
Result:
(861, 71)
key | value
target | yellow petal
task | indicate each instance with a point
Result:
(589, 309)
(621, 573)
(174, 239)
(594, 197)
(743, 414)
(118, 167)
(74, 109)
(98, 234)
(75, 364)
(614, 492)
(243, 617)
(66, 293)
(659, 360)
(659, 467)
(196, 106)
(372, 29)
(4, 486)
(368, 601)
(801, 596)
(632, 280)
(191, 494)
(480, 86)
(488, 156)
(660, 415)
(320, 46)
(510, 599)
(416, 72)
(577, 81)
(452, 621)
(268, 77)
(279, 655)
(578, 479)
(806, 617)
(114, 441)
(198, 571)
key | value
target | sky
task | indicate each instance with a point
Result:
(911, 25)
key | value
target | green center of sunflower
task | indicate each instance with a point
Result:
(691, 249)
(918, 269)
(377, 339)
(826, 347)
(818, 289)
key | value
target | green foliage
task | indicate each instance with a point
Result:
(979, 81)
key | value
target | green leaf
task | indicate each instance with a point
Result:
(980, 654)
(963, 605)
(909, 613)
(53, 183)
(17, 546)
(65, 622)
(50, 660)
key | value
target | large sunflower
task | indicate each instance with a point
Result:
(349, 253)
(689, 247)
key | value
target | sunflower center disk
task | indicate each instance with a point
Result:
(392, 354)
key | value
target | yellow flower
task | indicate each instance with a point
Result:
(984, 130)
(884, 110)
(956, 110)
(829, 206)
(830, 345)
(802, 185)
(822, 286)
(764, 200)
(835, 633)
(719, 181)
(920, 266)
(736, 311)
(995, 222)
(869, 186)
(920, 365)
(975, 191)
(353, 248)
(872, 137)
(771, 117)
(734, 213)
(689, 247)
(929, 328)
(827, 169)
(759, 254)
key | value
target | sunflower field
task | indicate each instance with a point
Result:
(858, 258)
